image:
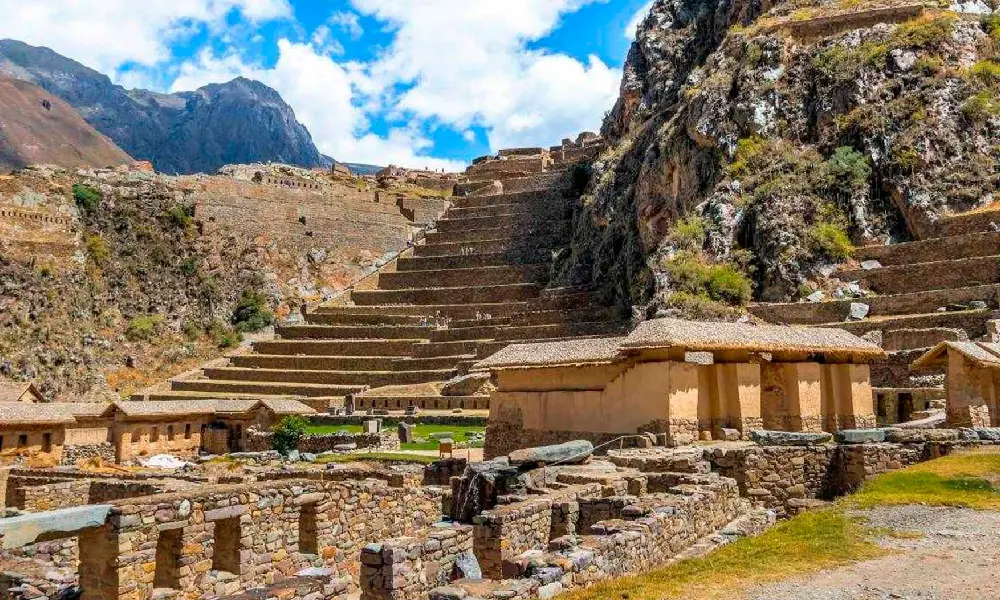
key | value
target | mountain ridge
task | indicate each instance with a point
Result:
(240, 121)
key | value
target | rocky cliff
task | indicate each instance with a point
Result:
(754, 146)
(242, 121)
(37, 127)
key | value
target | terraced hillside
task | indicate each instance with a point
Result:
(940, 288)
(477, 283)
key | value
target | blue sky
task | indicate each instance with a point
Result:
(414, 82)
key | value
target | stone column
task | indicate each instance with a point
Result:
(682, 402)
(851, 404)
(803, 392)
(740, 390)
(967, 404)
(102, 575)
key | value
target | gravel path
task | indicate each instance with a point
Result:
(956, 558)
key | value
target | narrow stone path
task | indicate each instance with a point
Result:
(956, 557)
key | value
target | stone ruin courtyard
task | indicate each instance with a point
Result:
(611, 448)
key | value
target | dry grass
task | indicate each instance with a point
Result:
(968, 480)
(807, 543)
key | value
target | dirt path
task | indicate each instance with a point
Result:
(956, 557)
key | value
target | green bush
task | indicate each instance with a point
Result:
(223, 335)
(97, 248)
(749, 152)
(189, 267)
(985, 73)
(830, 240)
(849, 170)
(143, 328)
(580, 175)
(690, 273)
(695, 306)
(88, 199)
(288, 432)
(180, 216)
(980, 107)
(252, 312)
(689, 233)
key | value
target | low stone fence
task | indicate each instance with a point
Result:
(38, 494)
(386, 440)
(440, 472)
(506, 531)
(389, 422)
(405, 568)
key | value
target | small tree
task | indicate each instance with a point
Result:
(251, 312)
(288, 432)
(88, 198)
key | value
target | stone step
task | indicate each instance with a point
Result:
(346, 318)
(432, 363)
(454, 311)
(923, 251)
(971, 222)
(487, 348)
(441, 349)
(335, 347)
(356, 378)
(499, 210)
(894, 369)
(422, 402)
(532, 235)
(542, 317)
(513, 247)
(564, 330)
(919, 277)
(814, 313)
(311, 390)
(972, 321)
(908, 339)
(457, 278)
(471, 261)
(346, 332)
(318, 363)
(170, 395)
(457, 295)
(506, 221)
(527, 197)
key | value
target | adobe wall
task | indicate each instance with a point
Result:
(429, 403)
(147, 438)
(420, 419)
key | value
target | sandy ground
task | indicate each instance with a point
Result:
(473, 454)
(957, 557)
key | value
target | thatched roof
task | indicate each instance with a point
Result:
(694, 336)
(211, 406)
(15, 392)
(983, 354)
(22, 413)
(287, 406)
(588, 351)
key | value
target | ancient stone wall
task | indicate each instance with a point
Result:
(506, 531)
(75, 453)
(405, 568)
(36, 494)
(420, 419)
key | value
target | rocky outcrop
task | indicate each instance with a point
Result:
(241, 121)
(763, 142)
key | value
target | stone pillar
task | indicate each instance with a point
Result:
(683, 399)
(102, 577)
(803, 392)
(711, 411)
(848, 397)
(739, 387)
(970, 393)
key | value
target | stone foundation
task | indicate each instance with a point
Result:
(73, 454)
(385, 441)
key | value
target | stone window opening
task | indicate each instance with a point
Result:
(880, 405)
(226, 554)
(308, 536)
(904, 407)
(1, 442)
(46, 442)
(168, 554)
(154, 434)
(187, 431)
(22, 440)
(170, 433)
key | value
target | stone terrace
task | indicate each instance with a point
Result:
(938, 289)
(477, 283)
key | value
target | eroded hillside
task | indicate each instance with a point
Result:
(754, 150)
(113, 279)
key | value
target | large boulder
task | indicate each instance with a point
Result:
(465, 385)
(861, 436)
(570, 453)
(789, 438)
(912, 436)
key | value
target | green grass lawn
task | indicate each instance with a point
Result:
(817, 540)
(461, 433)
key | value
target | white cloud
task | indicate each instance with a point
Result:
(467, 63)
(349, 22)
(321, 92)
(636, 19)
(107, 34)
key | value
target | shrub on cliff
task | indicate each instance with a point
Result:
(252, 312)
(87, 198)
(719, 282)
(831, 241)
(143, 328)
(288, 432)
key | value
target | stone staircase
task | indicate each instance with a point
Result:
(476, 283)
(928, 291)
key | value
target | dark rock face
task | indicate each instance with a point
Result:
(789, 438)
(482, 483)
(777, 144)
(569, 453)
(242, 121)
